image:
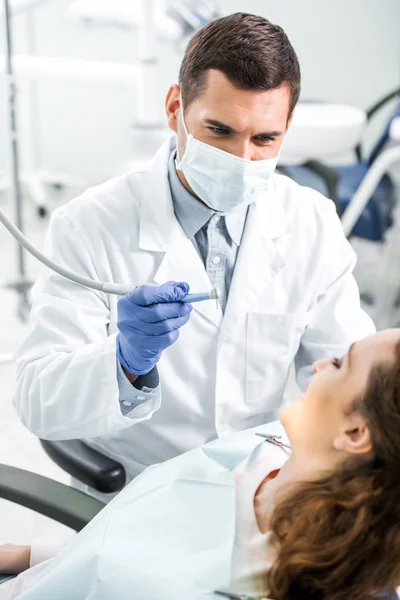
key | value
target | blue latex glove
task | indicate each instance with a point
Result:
(149, 319)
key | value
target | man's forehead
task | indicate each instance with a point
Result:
(216, 83)
(221, 96)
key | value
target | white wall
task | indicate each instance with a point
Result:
(349, 52)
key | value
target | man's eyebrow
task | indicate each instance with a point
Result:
(215, 123)
(230, 129)
(269, 134)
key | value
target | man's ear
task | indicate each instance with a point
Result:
(172, 106)
(355, 437)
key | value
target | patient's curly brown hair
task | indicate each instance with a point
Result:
(339, 538)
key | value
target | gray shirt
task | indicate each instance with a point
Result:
(215, 236)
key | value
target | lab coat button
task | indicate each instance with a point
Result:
(126, 403)
(216, 260)
(140, 398)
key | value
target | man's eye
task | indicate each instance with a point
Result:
(265, 139)
(219, 130)
(337, 362)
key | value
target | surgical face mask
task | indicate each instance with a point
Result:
(221, 180)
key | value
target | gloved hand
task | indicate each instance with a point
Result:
(149, 319)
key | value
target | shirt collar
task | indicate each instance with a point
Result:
(193, 215)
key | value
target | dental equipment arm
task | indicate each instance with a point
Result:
(106, 287)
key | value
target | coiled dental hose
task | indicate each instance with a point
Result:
(118, 289)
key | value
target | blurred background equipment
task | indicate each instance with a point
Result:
(35, 179)
(174, 20)
(323, 130)
(364, 192)
(152, 19)
(20, 284)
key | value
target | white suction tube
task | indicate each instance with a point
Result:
(109, 288)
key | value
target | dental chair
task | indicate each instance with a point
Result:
(50, 498)
(341, 182)
(364, 194)
(88, 466)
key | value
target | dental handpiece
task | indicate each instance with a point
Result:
(118, 289)
(200, 297)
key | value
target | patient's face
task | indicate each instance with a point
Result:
(321, 414)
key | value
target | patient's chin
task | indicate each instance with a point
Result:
(285, 417)
(290, 417)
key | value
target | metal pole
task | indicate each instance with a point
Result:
(21, 285)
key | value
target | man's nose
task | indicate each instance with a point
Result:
(243, 149)
(320, 365)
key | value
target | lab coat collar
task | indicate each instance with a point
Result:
(157, 211)
(235, 222)
(268, 213)
(260, 257)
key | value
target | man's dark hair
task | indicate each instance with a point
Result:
(253, 53)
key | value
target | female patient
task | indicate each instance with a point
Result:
(321, 523)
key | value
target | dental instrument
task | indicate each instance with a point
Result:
(273, 439)
(200, 297)
(106, 287)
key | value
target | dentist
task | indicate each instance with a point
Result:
(147, 377)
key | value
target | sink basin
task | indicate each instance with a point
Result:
(321, 130)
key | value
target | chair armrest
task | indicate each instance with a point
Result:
(87, 465)
(378, 105)
(47, 497)
(371, 112)
(330, 177)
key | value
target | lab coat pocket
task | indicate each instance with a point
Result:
(272, 343)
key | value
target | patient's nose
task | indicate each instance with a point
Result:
(320, 365)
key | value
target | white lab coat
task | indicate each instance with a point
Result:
(292, 295)
(169, 535)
